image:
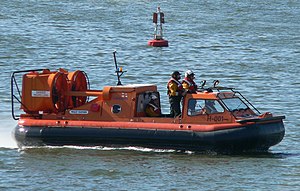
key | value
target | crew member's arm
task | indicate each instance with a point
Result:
(173, 87)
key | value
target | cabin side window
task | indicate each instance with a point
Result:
(201, 107)
(143, 100)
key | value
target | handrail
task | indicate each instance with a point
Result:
(220, 88)
(247, 101)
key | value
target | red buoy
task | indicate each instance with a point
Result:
(158, 40)
(158, 43)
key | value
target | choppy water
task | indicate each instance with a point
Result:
(251, 45)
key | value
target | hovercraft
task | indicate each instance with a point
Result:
(55, 110)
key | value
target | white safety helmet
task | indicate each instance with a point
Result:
(189, 73)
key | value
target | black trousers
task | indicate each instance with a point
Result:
(175, 105)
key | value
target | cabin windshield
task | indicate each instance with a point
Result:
(234, 104)
(202, 106)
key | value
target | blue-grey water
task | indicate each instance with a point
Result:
(251, 45)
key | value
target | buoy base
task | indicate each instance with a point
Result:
(158, 43)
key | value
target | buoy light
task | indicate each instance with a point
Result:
(158, 40)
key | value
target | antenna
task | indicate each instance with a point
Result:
(119, 71)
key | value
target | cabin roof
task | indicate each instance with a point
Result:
(138, 88)
(134, 86)
(213, 95)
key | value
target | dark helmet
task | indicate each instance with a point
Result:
(175, 74)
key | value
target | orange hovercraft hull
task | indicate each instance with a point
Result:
(258, 136)
(58, 113)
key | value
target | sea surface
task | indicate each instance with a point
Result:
(251, 45)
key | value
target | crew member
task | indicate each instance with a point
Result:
(210, 107)
(152, 108)
(190, 86)
(175, 93)
(188, 82)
